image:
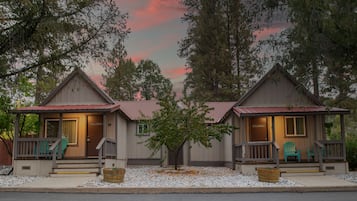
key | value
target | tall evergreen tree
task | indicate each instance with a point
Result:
(218, 49)
(150, 81)
(321, 45)
(124, 79)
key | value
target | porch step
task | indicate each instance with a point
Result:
(301, 171)
(84, 167)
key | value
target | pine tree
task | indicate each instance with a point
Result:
(218, 49)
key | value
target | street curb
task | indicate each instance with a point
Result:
(183, 190)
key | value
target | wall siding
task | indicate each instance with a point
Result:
(277, 91)
(136, 146)
(77, 92)
(78, 150)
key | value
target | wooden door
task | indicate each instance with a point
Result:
(258, 129)
(94, 133)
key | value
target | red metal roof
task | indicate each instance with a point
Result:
(219, 111)
(274, 111)
(69, 108)
(139, 110)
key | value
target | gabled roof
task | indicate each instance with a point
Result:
(78, 72)
(277, 111)
(268, 75)
(220, 110)
(139, 110)
(68, 108)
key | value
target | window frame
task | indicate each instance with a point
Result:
(71, 119)
(295, 134)
(142, 123)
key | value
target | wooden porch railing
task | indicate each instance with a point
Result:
(53, 149)
(28, 148)
(257, 152)
(107, 149)
(330, 150)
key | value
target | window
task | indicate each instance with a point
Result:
(142, 129)
(295, 126)
(69, 129)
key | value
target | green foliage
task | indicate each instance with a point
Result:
(218, 48)
(151, 83)
(43, 40)
(5, 118)
(120, 80)
(320, 46)
(180, 121)
(351, 151)
(124, 79)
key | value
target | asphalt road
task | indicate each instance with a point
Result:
(329, 196)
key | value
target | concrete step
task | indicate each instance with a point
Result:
(79, 161)
(73, 174)
(78, 170)
(77, 165)
(302, 171)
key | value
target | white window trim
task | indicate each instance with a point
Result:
(137, 129)
(73, 143)
(295, 132)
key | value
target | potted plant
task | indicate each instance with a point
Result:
(113, 175)
(268, 174)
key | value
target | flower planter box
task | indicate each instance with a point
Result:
(113, 175)
(271, 175)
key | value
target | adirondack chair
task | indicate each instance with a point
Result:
(310, 154)
(64, 144)
(290, 150)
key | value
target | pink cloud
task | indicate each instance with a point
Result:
(98, 80)
(152, 13)
(177, 72)
(267, 31)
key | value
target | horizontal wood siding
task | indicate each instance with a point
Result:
(214, 153)
(77, 150)
(277, 91)
(77, 92)
(136, 146)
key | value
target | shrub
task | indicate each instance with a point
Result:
(351, 151)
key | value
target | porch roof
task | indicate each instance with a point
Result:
(276, 111)
(68, 108)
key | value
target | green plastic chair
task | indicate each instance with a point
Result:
(64, 145)
(290, 150)
(310, 154)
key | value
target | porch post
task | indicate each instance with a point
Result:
(60, 135)
(242, 125)
(274, 152)
(105, 132)
(342, 122)
(234, 150)
(16, 135)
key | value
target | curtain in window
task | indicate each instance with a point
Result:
(69, 130)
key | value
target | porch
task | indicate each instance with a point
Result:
(77, 133)
(264, 131)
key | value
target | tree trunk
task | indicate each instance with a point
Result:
(8, 150)
(177, 153)
(315, 79)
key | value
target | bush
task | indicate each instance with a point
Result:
(351, 151)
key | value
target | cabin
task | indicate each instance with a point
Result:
(82, 130)
(278, 112)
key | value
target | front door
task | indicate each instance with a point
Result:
(258, 129)
(94, 133)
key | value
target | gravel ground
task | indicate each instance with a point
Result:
(197, 177)
(206, 177)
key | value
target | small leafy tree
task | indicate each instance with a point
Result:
(179, 121)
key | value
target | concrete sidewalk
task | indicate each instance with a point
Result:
(76, 185)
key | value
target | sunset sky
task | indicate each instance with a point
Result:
(156, 28)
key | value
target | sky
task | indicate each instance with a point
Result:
(156, 28)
